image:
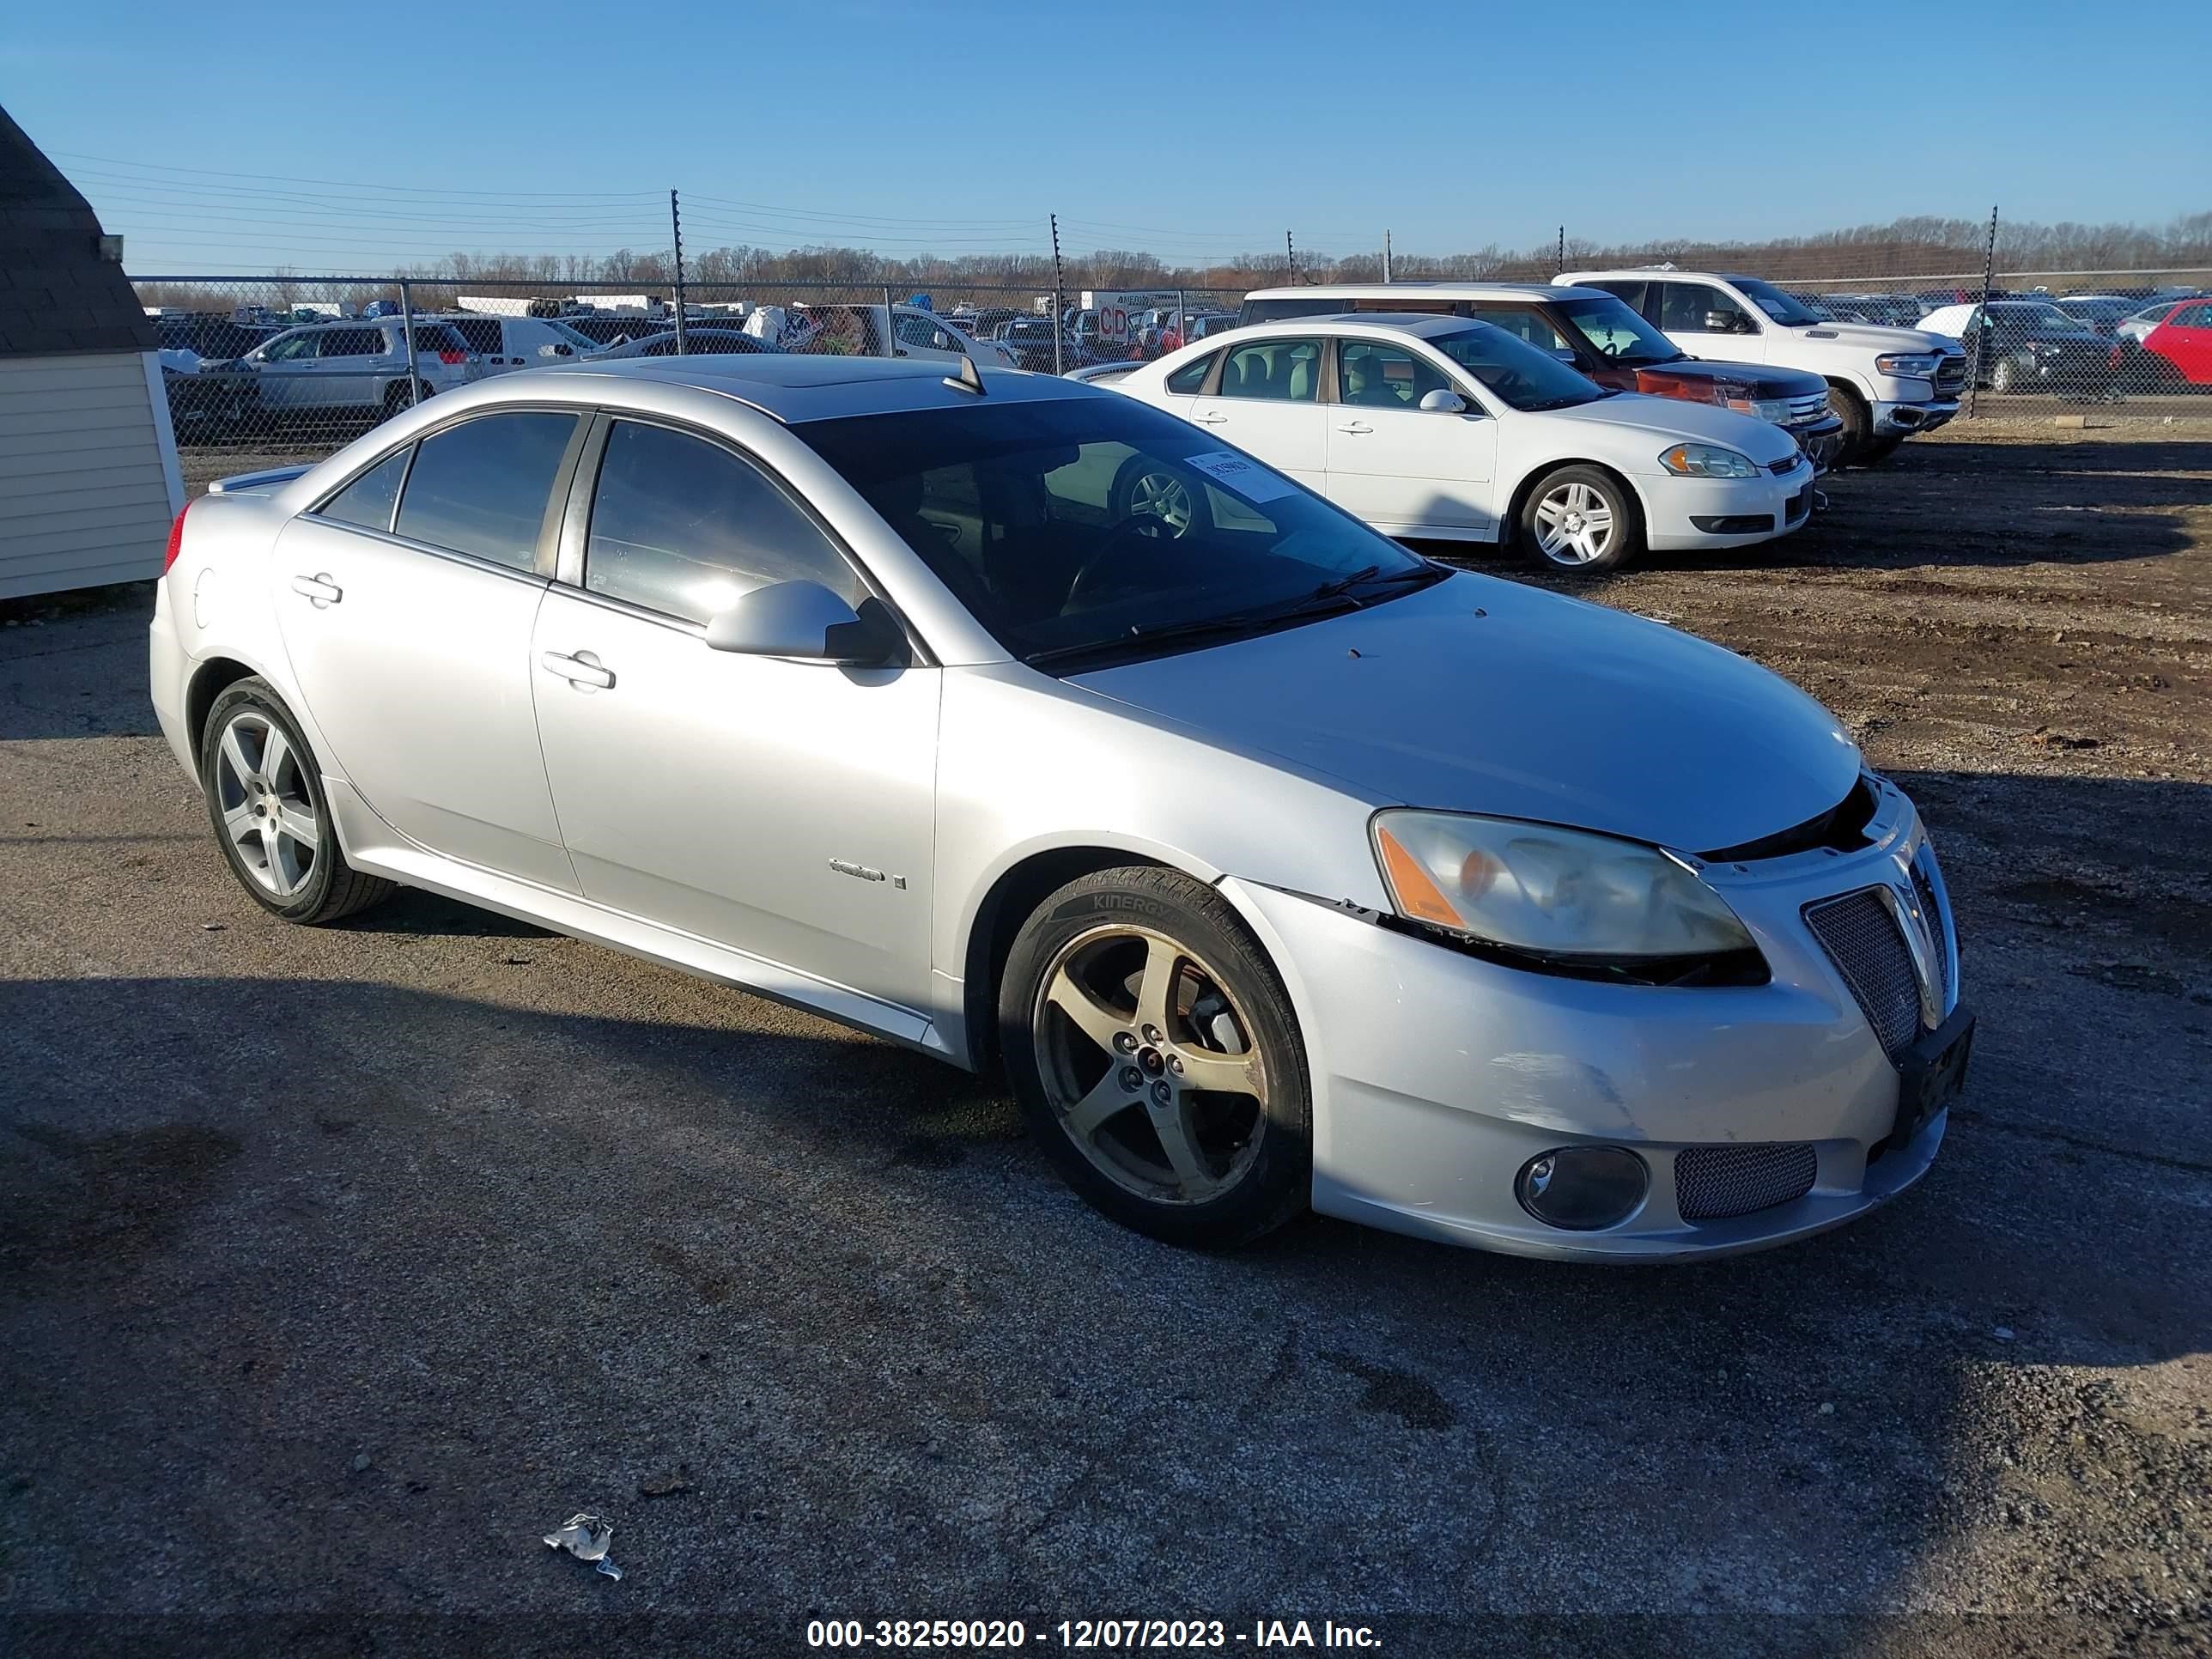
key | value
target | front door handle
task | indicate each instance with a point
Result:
(578, 672)
(318, 588)
(1209, 419)
(1356, 427)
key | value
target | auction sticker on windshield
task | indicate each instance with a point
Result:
(1241, 474)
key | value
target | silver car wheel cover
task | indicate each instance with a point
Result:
(1575, 523)
(1138, 1068)
(1164, 496)
(268, 813)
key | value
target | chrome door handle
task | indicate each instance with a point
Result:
(318, 587)
(1210, 420)
(1357, 427)
(577, 672)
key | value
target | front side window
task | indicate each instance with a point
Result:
(1785, 309)
(920, 332)
(682, 526)
(1286, 370)
(1375, 376)
(1684, 308)
(1617, 332)
(1516, 371)
(289, 348)
(369, 499)
(483, 487)
(1525, 322)
(1091, 528)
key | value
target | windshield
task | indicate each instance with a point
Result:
(1614, 328)
(1782, 308)
(1516, 371)
(1092, 527)
(2044, 317)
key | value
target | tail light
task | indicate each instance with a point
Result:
(452, 359)
(176, 538)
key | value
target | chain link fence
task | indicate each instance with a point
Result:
(274, 371)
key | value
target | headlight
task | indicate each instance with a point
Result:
(1918, 365)
(1708, 461)
(1761, 409)
(1548, 891)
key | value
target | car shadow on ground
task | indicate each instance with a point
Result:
(527, 1254)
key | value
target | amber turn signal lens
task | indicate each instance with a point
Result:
(1417, 896)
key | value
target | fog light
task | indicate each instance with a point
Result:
(1582, 1187)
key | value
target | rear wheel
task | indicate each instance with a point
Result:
(1157, 1058)
(1583, 520)
(265, 799)
(400, 396)
(2005, 377)
(1858, 425)
(1144, 488)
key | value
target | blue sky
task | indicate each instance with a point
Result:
(557, 127)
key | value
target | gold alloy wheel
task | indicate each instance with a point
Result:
(1149, 1066)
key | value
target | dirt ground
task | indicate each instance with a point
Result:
(337, 1265)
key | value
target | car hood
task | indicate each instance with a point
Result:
(1482, 696)
(1672, 420)
(1761, 380)
(1873, 336)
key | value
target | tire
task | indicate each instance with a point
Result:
(258, 805)
(1563, 511)
(1858, 425)
(2005, 376)
(1168, 992)
(1145, 487)
(398, 398)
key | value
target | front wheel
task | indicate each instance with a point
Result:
(2005, 377)
(1581, 520)
(265, 799)
(1858, 425)
(1158, 1060)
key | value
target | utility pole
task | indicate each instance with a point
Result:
(1059, 300)
(1386, 255)
(675, 226)
(1974, 346)
(1560, 265)
(1290, 255)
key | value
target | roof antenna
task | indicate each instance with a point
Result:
(968, 378)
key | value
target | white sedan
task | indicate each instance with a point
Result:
(1448, 427)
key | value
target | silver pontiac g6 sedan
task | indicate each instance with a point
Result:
(1018, 722)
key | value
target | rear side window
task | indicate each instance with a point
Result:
(369, 499)
(684, 527)
(1284, 370)
(1275, 311)
(482, 487)
(1192, 375)
(1631, 292)
(352, 343)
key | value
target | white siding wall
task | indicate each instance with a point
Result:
(88, 472)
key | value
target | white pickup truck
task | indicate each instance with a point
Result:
(1884, 384)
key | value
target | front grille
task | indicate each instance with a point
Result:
(1950, 373)
(1711, 1182)
(1861, 937)
(1811, 407)
(1924, 890)
(1787, 463)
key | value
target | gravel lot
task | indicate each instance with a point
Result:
(339, 1266)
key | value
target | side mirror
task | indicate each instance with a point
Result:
(553, 351)
(801, 619)
(1724, 322)
(1443, 401)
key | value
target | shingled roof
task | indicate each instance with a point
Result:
(56, 294)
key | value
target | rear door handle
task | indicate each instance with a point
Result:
(1210, 419)
(1356, 427)
(318, 587)
(577, 672)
